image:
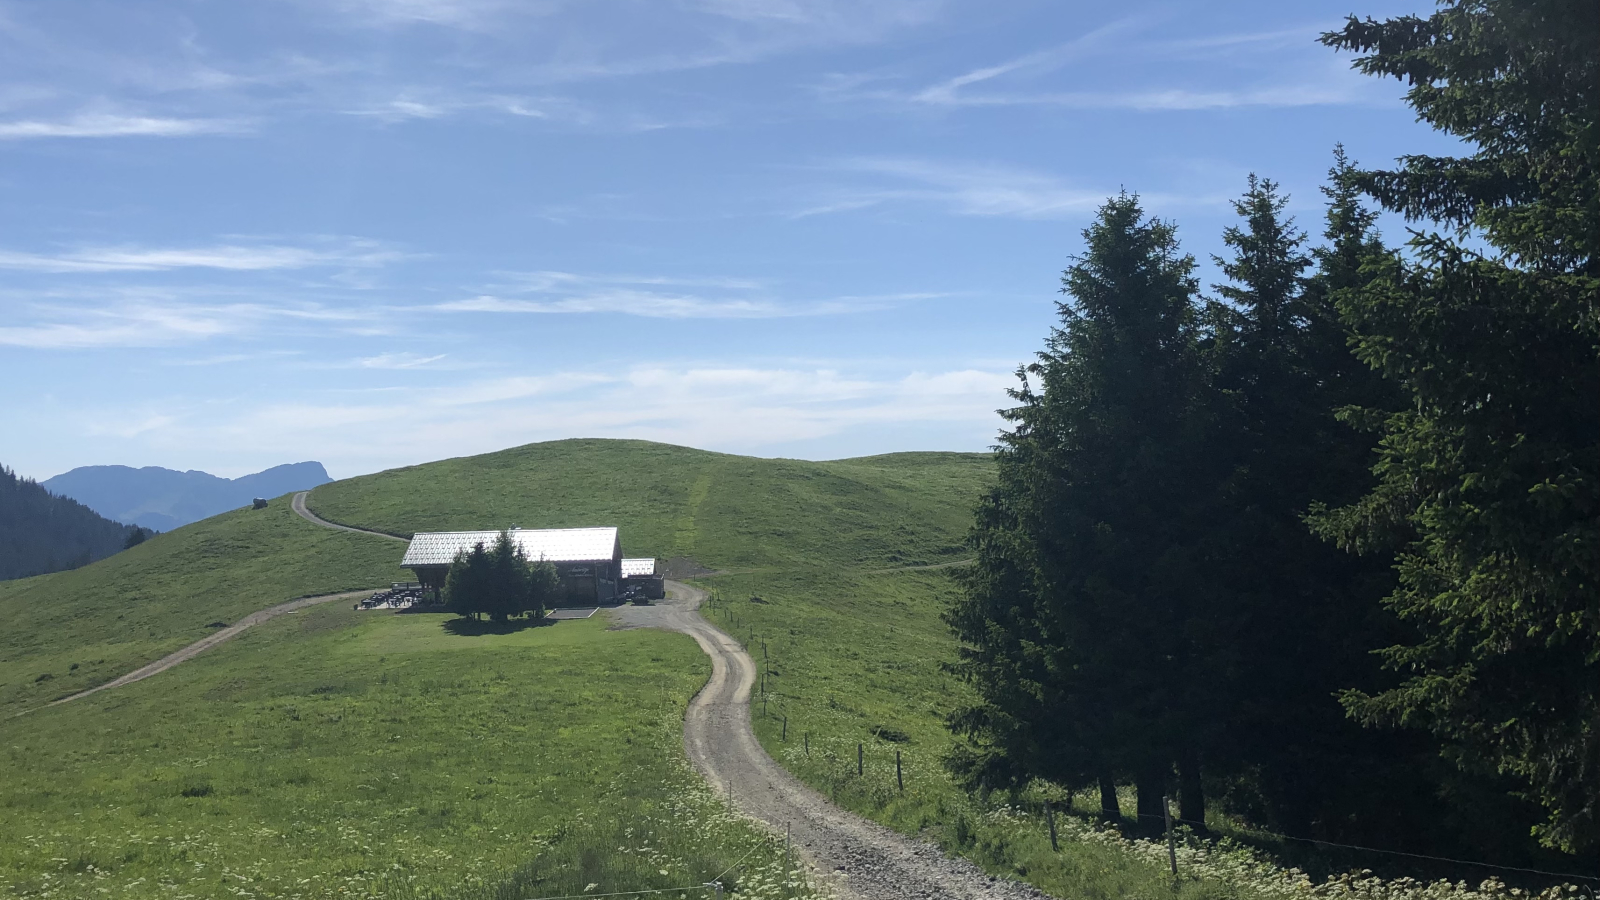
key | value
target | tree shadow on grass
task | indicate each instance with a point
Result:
(476, 627)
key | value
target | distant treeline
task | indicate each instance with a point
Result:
(1323, 547)
(42, 533)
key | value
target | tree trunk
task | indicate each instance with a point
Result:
(1191, 795)
(1110, 809)
(1152, 785)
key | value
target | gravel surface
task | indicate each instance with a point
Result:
(858, 858)
(299, 505)
(211, 640)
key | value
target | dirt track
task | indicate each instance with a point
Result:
(299, 506)
(862, 859)
(255, 618)
(211, 640)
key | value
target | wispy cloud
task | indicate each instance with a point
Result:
(101, 125)
(970, 189)
(1106, 65)
(1309, 94)
(151, 323)
(738, 408)
(398, 361)
(627, 302)
(949, 91)
(228, 257)
(455, 13)
(137, 326)
(432, 105)
(566, 293)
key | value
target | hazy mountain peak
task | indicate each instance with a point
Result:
(164, 499)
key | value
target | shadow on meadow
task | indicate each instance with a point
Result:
(462, 627)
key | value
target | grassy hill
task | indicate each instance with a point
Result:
(71, 630)
(825, 576)
(727, 512)
(335, 753)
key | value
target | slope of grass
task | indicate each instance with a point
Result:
(727, 512)
(819, 579)
(72, 630)
(333, 753)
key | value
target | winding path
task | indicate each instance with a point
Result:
(232, 631)
(211, 640)
(862, 860)
(866, 860)
(298, 504)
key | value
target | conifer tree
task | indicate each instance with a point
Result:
(1302, 613)
(1489, 477)
(1073, 619)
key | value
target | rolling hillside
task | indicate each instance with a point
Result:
(71, 630)
(727, 512)
(336, 753)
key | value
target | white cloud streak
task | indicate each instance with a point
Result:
(963, 189)
(227, 257)
(734, 408)
(102, 125)
(566, 293)
(154, 324)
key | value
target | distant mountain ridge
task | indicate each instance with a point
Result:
(165, 499)
(42, 533)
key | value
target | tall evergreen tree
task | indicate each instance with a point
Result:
(1074, 619)
(1307, 613)
(1489, 478)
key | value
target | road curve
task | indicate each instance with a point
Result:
(207, 642)
(860, 860)
(866, 860)
(299, 506)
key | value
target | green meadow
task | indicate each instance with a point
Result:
(335, 753)
(331, 753)
(822, 571)
(72, 630)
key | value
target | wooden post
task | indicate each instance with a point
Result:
(1050, 819)
(899, 780)
(1172, 848)
(808, 744)
(860, 751)
(785, 736)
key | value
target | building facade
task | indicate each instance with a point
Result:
(589, 560)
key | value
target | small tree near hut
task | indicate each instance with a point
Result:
(499, 581)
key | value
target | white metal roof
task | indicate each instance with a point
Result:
(633, 567)
(439, 548)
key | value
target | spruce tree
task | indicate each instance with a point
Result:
(1303, 614)
(1489, 477)
(1074, 619)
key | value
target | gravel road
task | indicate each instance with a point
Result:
(299, 506)
(211, 640)
(232, 631)
(860, 859)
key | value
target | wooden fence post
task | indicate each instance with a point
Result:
(859, 752)
(1050, 818)
(899, 780)
(1172, 848)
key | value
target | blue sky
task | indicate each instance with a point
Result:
(380, 232)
